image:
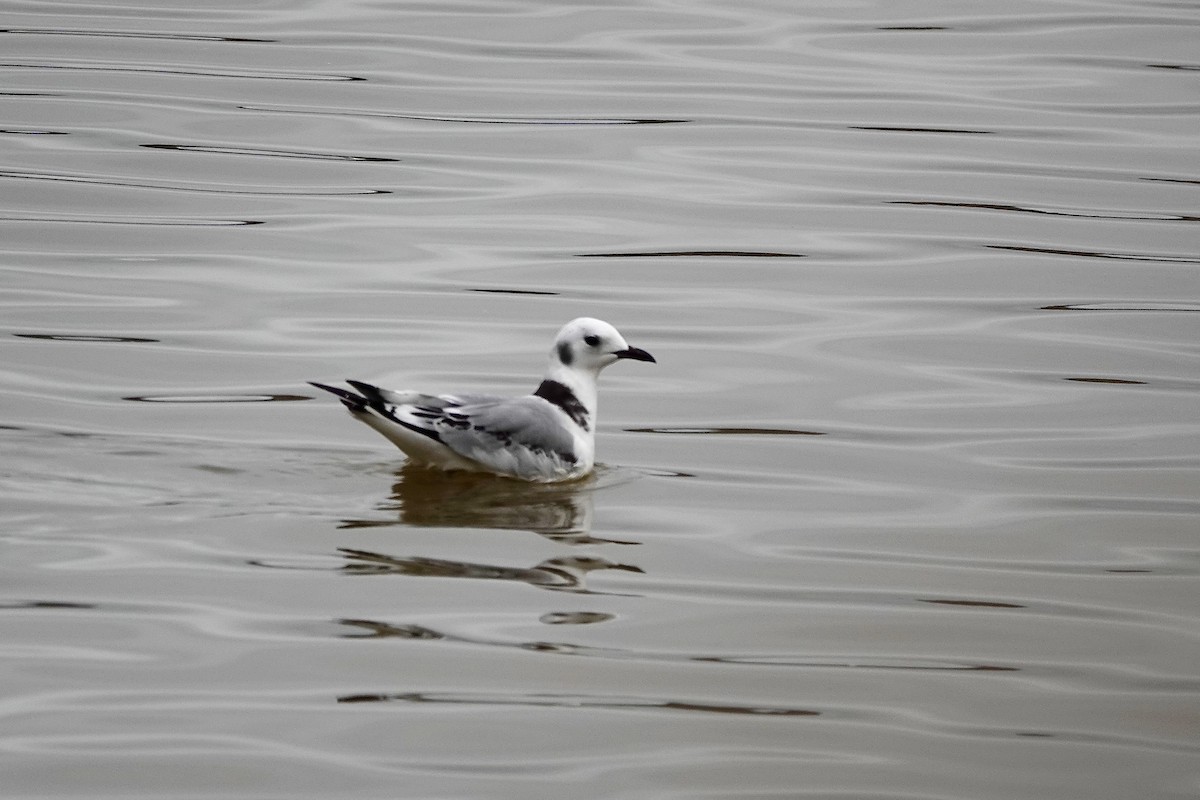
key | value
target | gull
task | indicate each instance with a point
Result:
(546, 437)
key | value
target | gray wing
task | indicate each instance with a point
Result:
(523, 436)
(397, 397)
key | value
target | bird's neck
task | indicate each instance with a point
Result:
(572, 391)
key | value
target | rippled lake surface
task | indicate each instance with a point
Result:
(909, 507)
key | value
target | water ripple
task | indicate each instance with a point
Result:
(150, 221)
(181, 187)
(1129, 305)
(80, 337)
(1086, 214)
(263, 152)
(578, 702)
(916, 129)
(217, 398)
(474, 120)
(1058, 251)
(730, 431)
(380, 630)
(921, 284)
(693, 254)
(99, 67)
(131, 34)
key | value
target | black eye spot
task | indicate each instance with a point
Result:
(591, 340)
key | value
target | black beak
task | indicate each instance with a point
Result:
(636, 353)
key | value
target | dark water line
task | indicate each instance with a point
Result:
(65, 178)
(69, 337)
(1161, 259)
(886, 716)
(223, 398)
(470, 120)
(1158, 308)
(166, 223)
(266, 152)
(178, 37)
(1047, 23)
(377, 629)
(530, 292)
(537, 700)
(910, 129)
(1047, 212)
(303, 77)
(1179, 564)
(1187, 181)
(693, 254)
(728, 431)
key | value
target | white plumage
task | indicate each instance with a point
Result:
(545, 436)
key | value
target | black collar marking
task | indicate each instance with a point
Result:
(561, 396)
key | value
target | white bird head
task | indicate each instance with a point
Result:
(589, 345)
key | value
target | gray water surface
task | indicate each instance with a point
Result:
(908, 508)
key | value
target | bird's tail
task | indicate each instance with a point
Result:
(373, 396)
(352, 401)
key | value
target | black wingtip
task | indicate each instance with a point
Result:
(373, 395)
(349, 399)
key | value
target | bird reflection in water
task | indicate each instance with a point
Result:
(567, 574)
(427, 497)
(561, 512)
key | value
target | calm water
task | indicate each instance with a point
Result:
(909, 508)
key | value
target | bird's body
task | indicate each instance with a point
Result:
(545, 436)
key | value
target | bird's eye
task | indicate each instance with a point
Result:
(592, 340)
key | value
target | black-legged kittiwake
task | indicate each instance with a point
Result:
(546, 436)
